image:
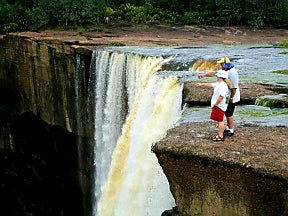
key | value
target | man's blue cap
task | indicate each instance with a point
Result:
(227, 65)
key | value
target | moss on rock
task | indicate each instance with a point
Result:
(273, 101)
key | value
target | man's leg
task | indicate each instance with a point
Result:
(230, 122)
(230, 119)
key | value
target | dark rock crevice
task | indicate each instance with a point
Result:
(39, 168)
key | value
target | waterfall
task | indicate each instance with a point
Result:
(134, 109)
(205, 65)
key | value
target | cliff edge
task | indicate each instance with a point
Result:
(247, 174)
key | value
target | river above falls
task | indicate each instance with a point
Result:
(255, 63)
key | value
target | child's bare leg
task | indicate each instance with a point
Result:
(221, 127)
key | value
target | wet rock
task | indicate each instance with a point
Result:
(172, 212)
(273, 101)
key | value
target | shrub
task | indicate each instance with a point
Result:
(256, 20)
(19, 15)
(12, 18)
(197, 18)
(80, 30)
(116, 43)
(283, 44)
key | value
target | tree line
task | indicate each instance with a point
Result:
(20, 15)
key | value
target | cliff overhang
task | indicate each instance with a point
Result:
(244, 175)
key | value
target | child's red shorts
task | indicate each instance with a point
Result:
(217, 114)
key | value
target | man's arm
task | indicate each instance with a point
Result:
(233, 92)
(208, 74)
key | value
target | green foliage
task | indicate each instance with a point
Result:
(285, 72)
(65, 13)
(18, 15)
(38, 18)
(283, 44)
(108, 12)
(37, 14)
(132, 13)
(80, 30)
(12, 18)
(146, 14)
(254, 113)
(228, 13)
(195, 18)
(266, 101)
(116, 43)
(283, 111)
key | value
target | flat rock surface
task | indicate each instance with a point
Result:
(249, 92)
(264, 149)
(162, 35)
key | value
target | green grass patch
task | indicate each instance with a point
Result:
(80, 30)
(261, 112)
(285, 72)
(254, 113)
(116, 43)
(284, 53)
(279, 111)
(283, 44)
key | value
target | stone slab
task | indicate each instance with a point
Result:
(247, 174)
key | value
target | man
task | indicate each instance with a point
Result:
(235, 91)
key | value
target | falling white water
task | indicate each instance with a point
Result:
(121, 78)
(135, 184)
(141, 187)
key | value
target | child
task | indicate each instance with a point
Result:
(219, 101)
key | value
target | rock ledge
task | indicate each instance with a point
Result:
(247, 174)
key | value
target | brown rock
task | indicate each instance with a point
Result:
(247, 174)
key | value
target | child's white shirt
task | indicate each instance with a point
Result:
(220, 89)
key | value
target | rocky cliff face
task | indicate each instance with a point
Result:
(40, 76)
(47, 80)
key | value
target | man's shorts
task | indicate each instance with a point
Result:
(217, 114)
(230, 110)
